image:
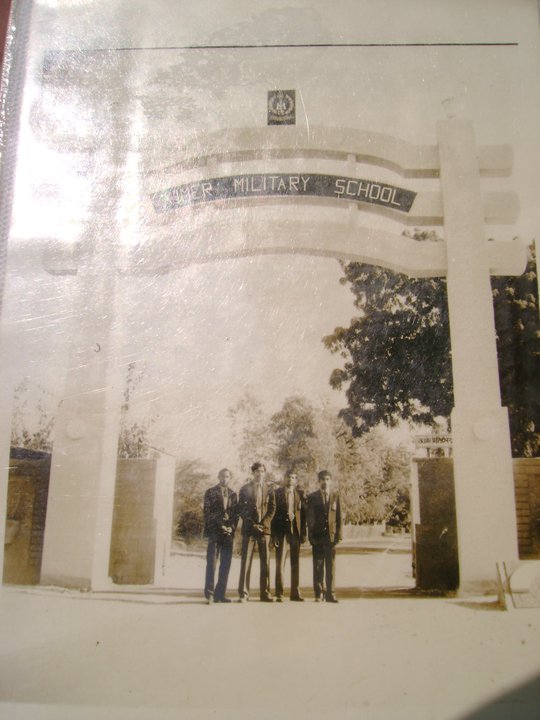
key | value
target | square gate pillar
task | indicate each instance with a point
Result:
(83, 469)
(485, 505)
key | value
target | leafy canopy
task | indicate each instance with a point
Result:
(373, 475)
(397, 351)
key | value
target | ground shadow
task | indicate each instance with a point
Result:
(355, 550)
(148, 595)
(385, 592)
(489, 605)
(523, 703)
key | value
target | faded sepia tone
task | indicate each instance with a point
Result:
(189, 183)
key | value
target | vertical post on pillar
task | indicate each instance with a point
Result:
(83, 468)
(83, 472)
(484, 488)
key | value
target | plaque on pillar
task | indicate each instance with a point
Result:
(244, 244)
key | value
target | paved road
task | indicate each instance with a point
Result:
(166, 655)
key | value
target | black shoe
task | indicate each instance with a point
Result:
(223, 600)
(267, 598)
(279, 599)
(297, 598)
(332, 599)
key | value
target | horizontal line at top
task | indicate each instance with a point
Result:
(309, 45)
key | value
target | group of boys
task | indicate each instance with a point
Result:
(283, 518)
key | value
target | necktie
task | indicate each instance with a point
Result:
(290, 504)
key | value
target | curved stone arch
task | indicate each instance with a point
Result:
(205, 152)
(350, 243)
(338, 143)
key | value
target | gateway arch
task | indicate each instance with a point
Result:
(251, 191)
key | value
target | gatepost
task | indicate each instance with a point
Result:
(485, 505)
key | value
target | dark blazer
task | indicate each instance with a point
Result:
(281, 523)
(247, 507)
(216, 514)
(324, 523)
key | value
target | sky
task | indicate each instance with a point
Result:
(203, 334)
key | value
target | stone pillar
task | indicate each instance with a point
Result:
(83, 468)
(486, 518)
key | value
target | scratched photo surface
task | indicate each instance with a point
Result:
(204, 203)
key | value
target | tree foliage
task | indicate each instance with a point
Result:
(374, 479)
(250, 429)
(518, 346)
(293, 433)
(190, 482)
(32, 422)
(133, 441)
(397, 349)
(373, 476)
(398, 356)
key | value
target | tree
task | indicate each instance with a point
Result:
(32, 423)
(398, 474)
(374, 478)
(397, 349)
(293, 430)
(190, 482)
(398, 354)
(133, 439)
(518, 347)
(297, 435)
(250, 429)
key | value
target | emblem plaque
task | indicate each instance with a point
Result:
(281, 107)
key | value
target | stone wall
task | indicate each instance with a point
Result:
(435, 539)
(527, 490)
(133, 540)
(142, 521)
(26, 511)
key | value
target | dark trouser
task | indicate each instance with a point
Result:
(218, 549)
(293, 542)
(324, 556)
(248, 547)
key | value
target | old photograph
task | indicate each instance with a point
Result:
(270, 341)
